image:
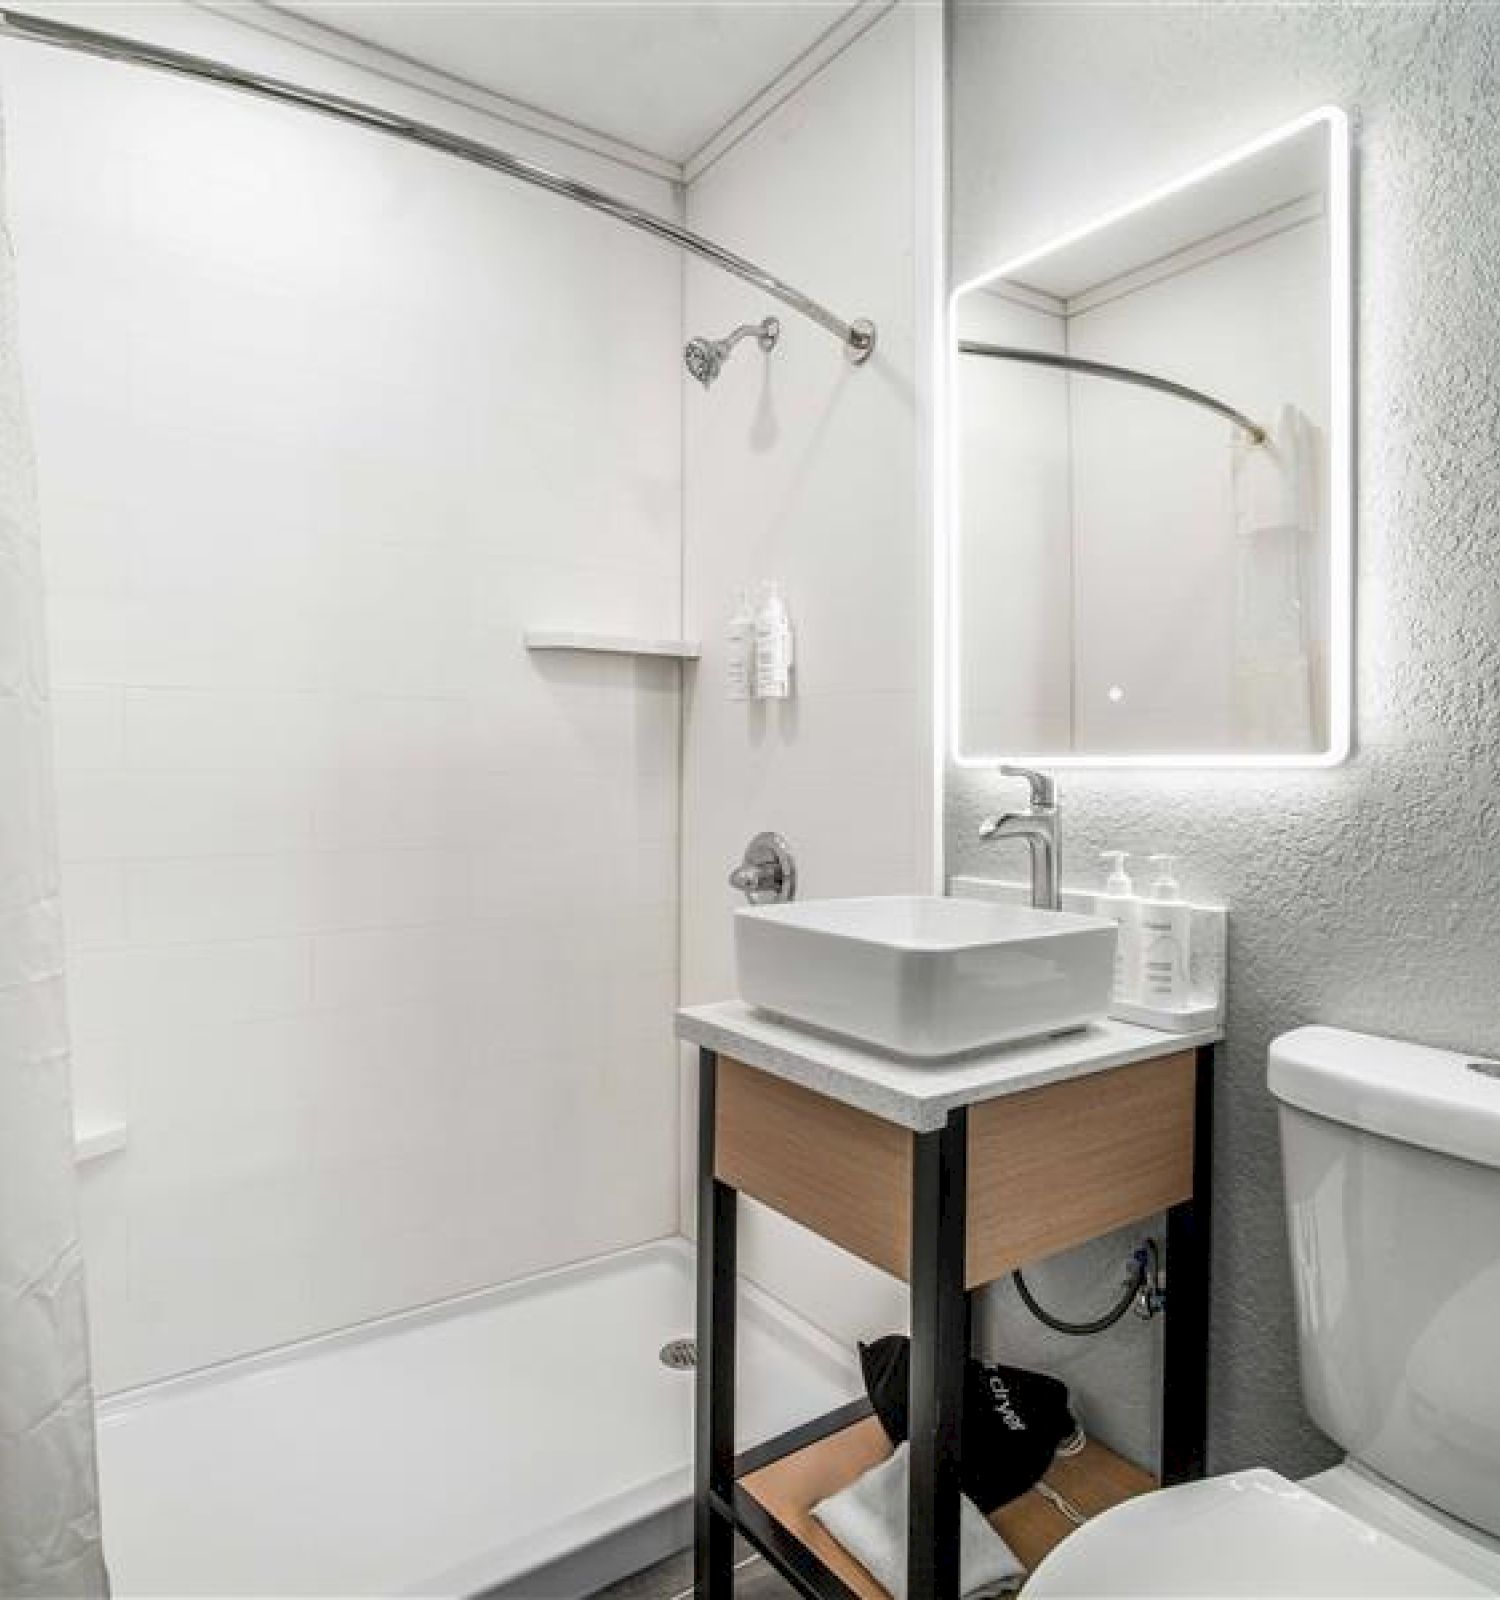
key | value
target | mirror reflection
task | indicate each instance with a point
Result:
(1151, 476)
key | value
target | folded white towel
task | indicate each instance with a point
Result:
(869, 1520)
(1277, 621)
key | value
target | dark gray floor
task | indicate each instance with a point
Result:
(673, 1578)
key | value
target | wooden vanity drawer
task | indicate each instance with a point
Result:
(1053, 1167)
(1048, 1168)
(839, 1171)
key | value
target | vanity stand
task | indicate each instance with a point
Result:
(947, 1176)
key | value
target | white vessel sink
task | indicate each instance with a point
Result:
(925, 977)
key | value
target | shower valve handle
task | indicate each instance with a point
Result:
(767, 875)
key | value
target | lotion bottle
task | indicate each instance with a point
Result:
(1166, 930)
(1119, 904)
(773, 646)
(741, 671)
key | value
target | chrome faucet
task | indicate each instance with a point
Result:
(1041, 827)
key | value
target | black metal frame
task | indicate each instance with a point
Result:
(939, 1345)
(713, 1522)
(1184, 1388)
(784, 1550)
(941, 1318)
(806, 1433)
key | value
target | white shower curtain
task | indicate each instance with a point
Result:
(49, 1510)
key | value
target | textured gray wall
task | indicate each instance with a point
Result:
(1367, 896)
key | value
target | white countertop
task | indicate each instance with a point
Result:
(916, 1095)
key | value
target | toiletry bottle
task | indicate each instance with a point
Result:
(1166, 927)
(1119, 904)
(773, 646)
(741, 670)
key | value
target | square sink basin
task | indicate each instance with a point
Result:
(925, 977)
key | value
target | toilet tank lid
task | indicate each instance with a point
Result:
(1437, 1099)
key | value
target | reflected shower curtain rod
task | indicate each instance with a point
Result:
(857, 337)
(1101, 369)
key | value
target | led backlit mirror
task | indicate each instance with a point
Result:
(1151, 475)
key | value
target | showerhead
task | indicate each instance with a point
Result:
(705, 358)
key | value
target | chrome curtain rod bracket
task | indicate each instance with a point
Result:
(858, 337)
(1101, 369)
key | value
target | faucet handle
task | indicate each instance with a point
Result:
(767, 874)
(1043, 788)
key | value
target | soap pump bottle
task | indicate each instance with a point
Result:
(773, 646)
(1119, 904)
(1166, 930)
(741, 668)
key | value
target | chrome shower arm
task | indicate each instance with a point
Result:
(765, 333)
(705, 358)
(857, 337)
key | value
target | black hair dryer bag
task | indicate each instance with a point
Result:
(1014, 1420)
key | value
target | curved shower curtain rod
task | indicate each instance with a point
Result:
(857, 337)
(1101, 369)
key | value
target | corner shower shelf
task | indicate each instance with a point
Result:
(92, 1140)
(613, 644)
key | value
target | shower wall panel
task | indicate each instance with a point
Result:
(802, 468)
(371, 914)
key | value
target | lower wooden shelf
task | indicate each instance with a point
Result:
(787, 1487)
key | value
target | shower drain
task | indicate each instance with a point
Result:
(679, 1354)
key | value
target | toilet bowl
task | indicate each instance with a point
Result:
(1258, 1534)
(1391, 1161)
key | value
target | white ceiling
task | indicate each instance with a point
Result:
(661, 75)
(1292, 169)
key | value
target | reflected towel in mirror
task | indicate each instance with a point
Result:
(1274, 493)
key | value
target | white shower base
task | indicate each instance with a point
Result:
(526, 1440)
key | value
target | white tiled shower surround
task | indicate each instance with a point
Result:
(371, 915)
(802, 468)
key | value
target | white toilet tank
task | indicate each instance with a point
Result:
(1391, 1155)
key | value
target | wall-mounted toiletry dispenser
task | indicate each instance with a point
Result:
(760, 646)
(1166, 933)
(1119, 904)
(740, 667)
(773, 646)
